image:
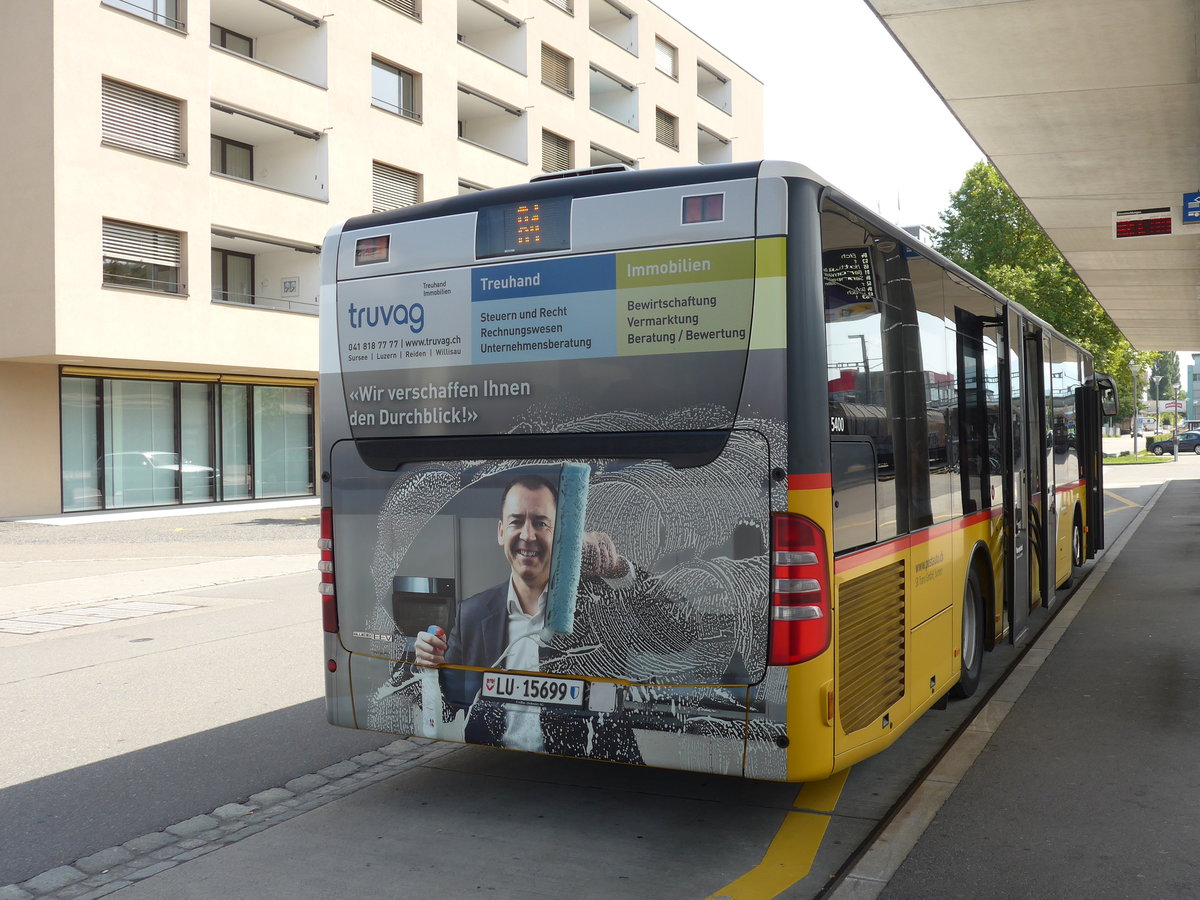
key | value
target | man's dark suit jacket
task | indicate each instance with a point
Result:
(479, 638)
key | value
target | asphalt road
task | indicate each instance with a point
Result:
(119, 729)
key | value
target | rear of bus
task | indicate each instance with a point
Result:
(612, 344)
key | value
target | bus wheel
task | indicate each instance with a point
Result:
(1076, 542)
(971, 662)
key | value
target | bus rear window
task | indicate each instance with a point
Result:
(372, 250)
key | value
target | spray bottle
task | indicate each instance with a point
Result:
(431, 692)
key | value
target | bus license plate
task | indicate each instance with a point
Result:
(532, 689)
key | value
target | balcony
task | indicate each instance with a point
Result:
(261, 150)
(612, 97)
(712, 148)
(492, 124)
(714, 87)
(265, 272)
(495, 34)
(273, 35)
(615, 22)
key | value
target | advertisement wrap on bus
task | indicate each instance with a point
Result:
(593, 482)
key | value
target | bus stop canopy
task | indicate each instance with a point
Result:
(1090, 110)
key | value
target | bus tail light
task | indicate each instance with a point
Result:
(329, 614)
(800, 628)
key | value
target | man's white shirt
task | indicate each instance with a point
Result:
(523, 724)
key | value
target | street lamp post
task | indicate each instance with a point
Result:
(1133, 428)
(1175, 425)
(1157, 413)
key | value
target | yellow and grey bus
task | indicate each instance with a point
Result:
(703, 468)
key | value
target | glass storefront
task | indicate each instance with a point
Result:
(129, 442)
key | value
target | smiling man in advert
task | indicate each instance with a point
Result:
(501, 627)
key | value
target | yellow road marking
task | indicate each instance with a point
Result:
(1129, 504)
(794, 847)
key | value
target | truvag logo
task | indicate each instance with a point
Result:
(412, 315)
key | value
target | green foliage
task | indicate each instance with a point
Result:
(989, 232)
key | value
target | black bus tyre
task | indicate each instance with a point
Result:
(1076, 551)
(1076, 543)
(971, 660)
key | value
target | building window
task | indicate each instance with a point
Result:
(557, 70)
(612, 97)
(408, 7)
(564, 5)
(135, 119)
(232, 277)
(164, 12)
(139, 257)
(231, 40)
(666, 128)
(129, 442)
(714, 87)
(558, 153)
(230, 157)
(395, 89)
(666, 58)
(615, 22)
(393, 188)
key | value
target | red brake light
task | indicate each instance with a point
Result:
(329, 615)
(800, 628)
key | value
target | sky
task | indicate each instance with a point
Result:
(842, 98)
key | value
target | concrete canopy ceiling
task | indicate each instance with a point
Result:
(1087, 108)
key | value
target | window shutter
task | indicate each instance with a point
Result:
(556, 152)
(556, 69)
(408, 7)
(664, 58)
(392, 188)
(666, 128)
(137, 243)
(568, 5)
(140, 120)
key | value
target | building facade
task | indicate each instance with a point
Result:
(180, 162)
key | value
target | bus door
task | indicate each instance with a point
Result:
(1033, 473)
(1018, 595)
(1094, 400)
(1049, 532)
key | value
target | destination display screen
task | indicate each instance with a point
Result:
(529, 226)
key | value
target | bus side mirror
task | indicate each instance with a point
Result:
(1108, 394)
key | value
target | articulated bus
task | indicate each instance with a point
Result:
(703, 468)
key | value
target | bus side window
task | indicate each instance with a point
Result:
(854, 501)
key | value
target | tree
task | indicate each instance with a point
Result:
(990, 233)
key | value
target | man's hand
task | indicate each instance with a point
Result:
(600, 556)
(430, 648)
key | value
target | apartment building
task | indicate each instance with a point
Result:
(173, 166)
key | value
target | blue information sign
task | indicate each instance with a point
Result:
(1191, 208)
